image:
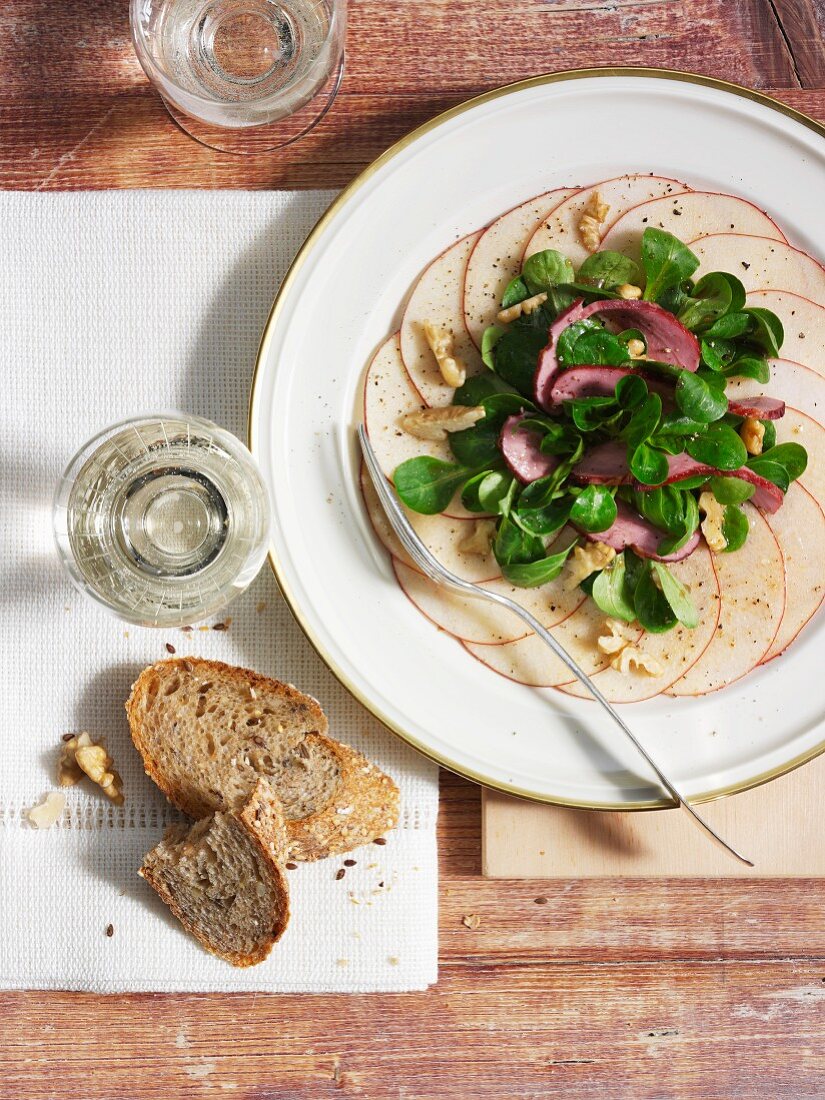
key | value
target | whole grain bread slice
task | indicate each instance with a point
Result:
(223, 878)
(207, 731)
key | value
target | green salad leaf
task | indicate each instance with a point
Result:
(699, 399)
(666, 262)
(676, 594)
(594, 509)
(490, 337)
(546, 269)
(612, 593)
(477, 446)
(513, 546)
(587, 342)
(652, 607)
(781, 464)
(731, 490)
(765, 331)
(711, 299)
(606, 270)
(719, 446)
(516, 291)
(427, 485)
(735, 527)
(516, 356)
(533, 574)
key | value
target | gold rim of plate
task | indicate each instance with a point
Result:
(313, 239)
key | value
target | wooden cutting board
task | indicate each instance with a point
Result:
(780, 826)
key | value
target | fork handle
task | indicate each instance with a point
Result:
(581, 675)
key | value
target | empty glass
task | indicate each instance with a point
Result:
(162, 519)
(242, 76)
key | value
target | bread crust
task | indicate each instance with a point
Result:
(259, 807)
(364, 805)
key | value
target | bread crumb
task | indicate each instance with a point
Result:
(342, 962)
(471, 921)
(393, 960)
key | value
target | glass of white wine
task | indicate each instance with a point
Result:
(162, 519)
(242, 76)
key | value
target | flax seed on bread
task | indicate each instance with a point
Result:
(207, 731)
(222, 878)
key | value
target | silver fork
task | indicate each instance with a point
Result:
(437, 573)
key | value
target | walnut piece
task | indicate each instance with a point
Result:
(629, 291)
(528, 306)
(752, 434)
(712, 523)
(636, 348)
(479, 539)
(48, 811)
(436, 423)
(586, 560)
(631, 656)
(617, 637)
(69, 771)
(440, 342)
(97, 764)
(590, 223)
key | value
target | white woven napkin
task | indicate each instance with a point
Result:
(112, 304)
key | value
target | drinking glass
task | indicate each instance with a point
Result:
(163, 519)
(242, 76)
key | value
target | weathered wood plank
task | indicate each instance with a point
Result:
(662, 1030)
(405, 62)
(803, 24)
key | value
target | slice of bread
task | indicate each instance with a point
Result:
(223, 880)
(207, 731)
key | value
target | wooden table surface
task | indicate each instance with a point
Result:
(597, 989)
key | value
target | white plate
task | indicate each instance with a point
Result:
(341, 299)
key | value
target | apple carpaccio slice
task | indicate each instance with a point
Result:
(497, 255)
(752, 590)
(388, 394)
(530, 662)
(803, 391)
(804, 324)
(475, 620)
(761, 264)
(560, 230)
(441, 534)
(677, 650)
(472, 620)
(799, 528)
(438, 298)
(689, 216)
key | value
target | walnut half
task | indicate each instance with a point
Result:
(440, 342)
(712, 527)
(752, 434)
(590, 223)
(528, 306)
(617, 637)
(69, 771)
(631, 657)
(586, 560)
(82, 756)
(437, 422)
